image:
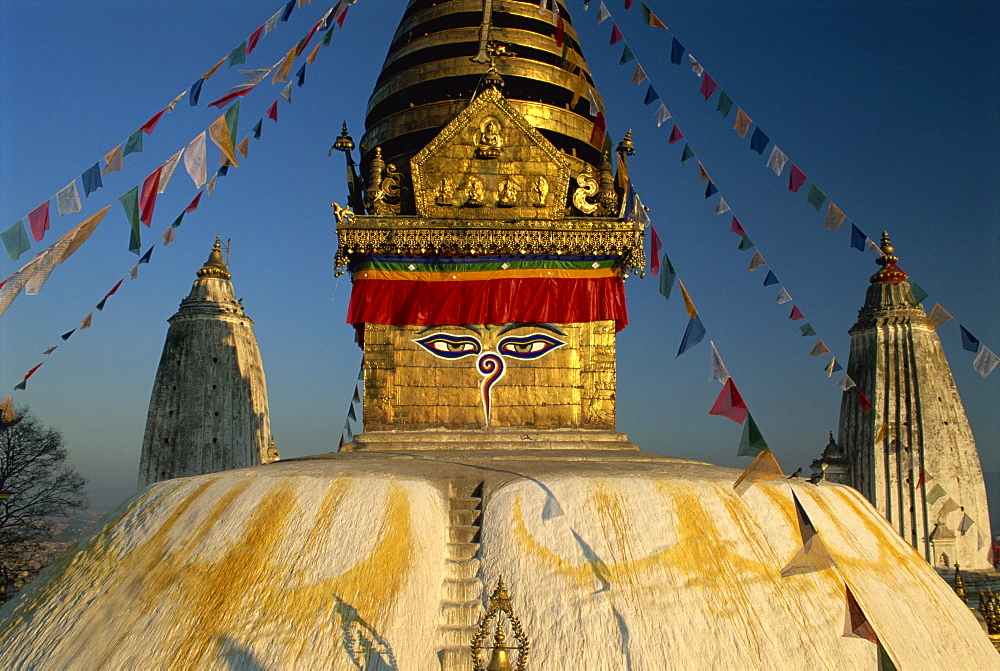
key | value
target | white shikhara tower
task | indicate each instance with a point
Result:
(913, 454)
(208, 410)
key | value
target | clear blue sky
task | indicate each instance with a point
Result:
(889, 106)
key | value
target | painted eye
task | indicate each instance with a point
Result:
(449, 346)
(528, 346)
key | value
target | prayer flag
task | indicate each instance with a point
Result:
(178, 221)
(32, 371)
(834, 217)
(730, 404)
(965, 524)
(627, 55)
(134, 143)
(816, 198)
(147, 197)
(168, 235)
(981, 539)
(223, 170)
(351, 414)
(736, 227)
(675, 134)
(662, 114)
(711, 190)
(230, 96)
(651, 95)
(949, 506)
(846, 383)
(939, 315)
(758, 141)
(863, 401)
(244, 146)
(254, 39)
(287, 11)
(145, 257)
(722, 207)
(693, 334)
(219, 132)
(745, 244)
(917, 294)
(77, 235)
(796, 178)
(301, 75)
(719, 371)
(687, 154)
(594, 108)
(87, 321)
(602, 13)
(667, 276)
(194, 93)
(311, 58)
(764, 467)
(281, 75)
(676, 52)
(655, 245)
(38, 221)
(616, 34)
(777, 161)
(7, 406)
(924, 475)
(742, 122)
(343, 15)
(68, 200)
(148, 127)
(168, 171)
(970, 343)
(708, 86)
(692, 312)
(695, 66)
(936, 492)
(832, 367)
(628, 4)
(238, 55)
(857, 624)
(113, 161)
(598, 133)
(305, 41)
(130, 201)
(994, 554)
(650, 19)
(210, 185)
(796, 313)
(702, 173)
(114, 289)
(65, 336)
(195, 159)
(812, 557)
(272, 111)
(783, 296)
(15, 240)
(757, 261)
(820, 349)
(257, 129)
(807, 329)
(770, 279)
(560, 35)
(638, 77)
(857, 238)
(985, 361)
(47, 352)
(92, 179)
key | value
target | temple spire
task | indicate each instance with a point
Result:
(215, 266)
(889, 272)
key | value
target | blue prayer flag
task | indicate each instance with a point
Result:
(651, 95)
(837, 366)
(195, 92)
(667, 276)
(693, 334)
(676, 52)
(288, 10)
(92, 180)
(770, 279)
(145, 257)
(858, 238)
(710, 190)
(257, 128)
(65, 336)
(758, 141)
(301, 74)
(969, 341)
(223, 171)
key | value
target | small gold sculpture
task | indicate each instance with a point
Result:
(959, 583)
(344, 215)
(499, 659)
(476, 192)
(383, 186)
(490, 140)
(586, 188)
(540, 188)
(507, 195)
(444, 193)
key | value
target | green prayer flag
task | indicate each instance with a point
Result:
(937, 491)
(868, 416)
(627, 55)
(916, 295)
(233, 119)
(22, 385)
(816, 198)
(177, 221)
(752, 442)
(257, 129)
(133, 144)
(745, 244)
(807, 329)
(130, 201)
(725, 104)
(687, 154)
(238, 55)
(884, 660)
(329, 36)
(667, 276)
(15, 239)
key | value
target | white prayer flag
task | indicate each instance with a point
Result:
(846, 383)
(602, 13)
(722, 207)
(68, 199)
(719, 371)
(195, 160)
(777, 160)
(696, 66)
(985, 361)
(168, 170)
(662, 115)
(783, 296)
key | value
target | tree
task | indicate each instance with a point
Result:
(42, 489)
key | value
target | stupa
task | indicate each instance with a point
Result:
(488, 266)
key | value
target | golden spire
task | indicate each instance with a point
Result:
(215, 266)
(889, 272)
(344, 142)
(625, 146)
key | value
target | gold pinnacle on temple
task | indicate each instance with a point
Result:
(625, 146)
(889, 272)
(215, 266)
(344, 142)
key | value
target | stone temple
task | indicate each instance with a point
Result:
(487, 243)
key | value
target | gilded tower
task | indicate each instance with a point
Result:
(208, 410)
(912, 454)
(489, 248)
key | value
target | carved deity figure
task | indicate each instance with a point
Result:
(489, 140)
(444, 192)
(540, 188)
(507, 193)
(476, 192)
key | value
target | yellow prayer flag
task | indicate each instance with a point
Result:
(820, 349)
(742, 122)
(939, 315)
(688, 303)
(763, 467)
(87, 321)
(214, 68)
(79, 233)
(7, 407)
(311, 58)
(219, 133)
(883, 432)
(812, 556)
(702, 173)
(168, 236)
(244, 146)
(114, 161)
(834, 217)
(285, 68)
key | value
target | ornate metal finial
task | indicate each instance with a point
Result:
(499, 658)
(959, 583)
(889, 272)
(625, 146)
(215, 266)
(344, 142)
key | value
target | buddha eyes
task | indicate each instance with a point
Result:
(449, 346)
(529, 346)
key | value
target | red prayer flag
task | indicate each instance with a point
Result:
(305, 42)
(230, 97)
(628, 4)
(994, 555)
(924, 477)
(272, 111)
(796, 313)
(147, 196)
(708, 86)
(560, 31)
(254, 39)
(730, 404)
(148, 127)
(857, 623)
(32, 371)
(616, 34)
(597, 135)
(863, 401)
(343, 15)
(796, 178)
(737, 228)
(655, 246)
(113, 289)
(39, 221)
(194, 203)
(675, 134)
